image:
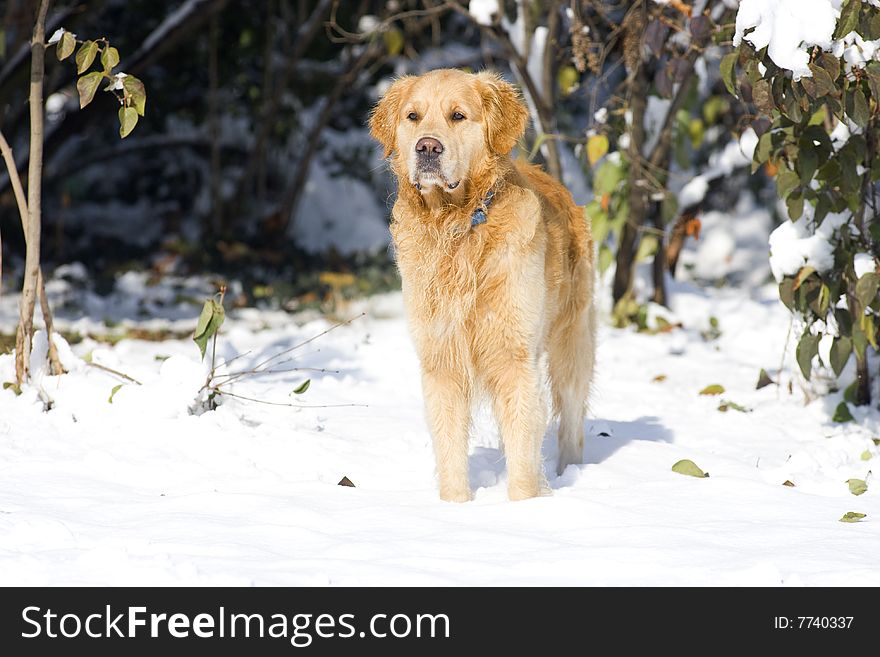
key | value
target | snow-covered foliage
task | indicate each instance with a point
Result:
(820, 144)
(788, 29)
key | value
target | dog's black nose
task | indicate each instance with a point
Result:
(429, 147)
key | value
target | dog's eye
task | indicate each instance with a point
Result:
(412, 116)
(457, 116)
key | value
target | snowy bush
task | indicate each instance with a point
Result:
(812, 73)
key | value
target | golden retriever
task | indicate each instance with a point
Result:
(497, 268)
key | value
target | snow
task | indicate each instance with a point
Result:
(863, 263)
(142, 492)
(368, 23)
(56, 36)
(338, 213)
(484, 11)
(856, 52)
(535, 65)
(797, 244)
(789, 28)
(732, 247)
(693, 191)
(656, 110)
(735, 154)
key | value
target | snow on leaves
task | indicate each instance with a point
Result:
(817, 82)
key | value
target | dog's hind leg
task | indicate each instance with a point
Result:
(572, 355)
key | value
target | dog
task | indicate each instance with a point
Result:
(497, 270)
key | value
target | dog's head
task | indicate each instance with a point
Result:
(441, 126)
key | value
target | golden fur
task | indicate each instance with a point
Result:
(494, 307)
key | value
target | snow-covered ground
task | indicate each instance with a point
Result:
(141, 491)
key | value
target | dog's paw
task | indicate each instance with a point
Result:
(524, 491)
(455, 495)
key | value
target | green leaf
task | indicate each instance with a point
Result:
(210, 320)
(568, 79)
(109, 59)
(728, 72)
(597, 147)
(786, 181)
(607, 177)
(647, 247)
(786, 292)
(795, 205)
(598, 220)
(803, 274)
(807, 347)
(871, 27)
(860, 113)
(727, 405)
(689, 468)
(866, 288)
(764, 380)
(868, 334)
(87, 85)
(13, 386)
(841, 348)
(866, 455)
(807, 163)
(873, 71)
(849, 393)
(762, 150)
(849, 18)
(823, 83)
(394, 41)
(85, 56)
(135, 90)
(830, 63)
(852, 516)
(713, 389)
(842, 414)
(113, 392)
(606, 258)
(302, 387)
(128, 118)
(762, 96)
(65, 46)
(857, 486)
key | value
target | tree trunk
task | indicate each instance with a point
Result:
(863, 382)
(626, 252)
(659, 266)
(553, 160)
(25, 332)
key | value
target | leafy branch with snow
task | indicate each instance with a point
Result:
(813, 75)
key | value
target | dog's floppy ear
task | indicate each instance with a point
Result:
(504, 111)
(383, 120)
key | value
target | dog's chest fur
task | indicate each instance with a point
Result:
(455, 276)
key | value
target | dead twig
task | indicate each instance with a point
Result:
(110, 370)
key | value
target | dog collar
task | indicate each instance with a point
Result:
(479, 215)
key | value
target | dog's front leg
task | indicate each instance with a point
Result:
(448, 407)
